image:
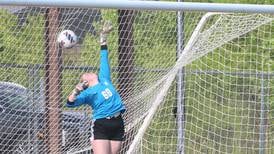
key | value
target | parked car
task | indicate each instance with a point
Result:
(22, 123)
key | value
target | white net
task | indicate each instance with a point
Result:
(215, 97)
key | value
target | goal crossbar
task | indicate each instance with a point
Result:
(176, 103)
(146, 5)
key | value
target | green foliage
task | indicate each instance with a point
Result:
(19, 44)
(147, 47)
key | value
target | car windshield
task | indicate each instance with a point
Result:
(13, 97)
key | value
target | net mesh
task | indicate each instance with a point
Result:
(222, 104)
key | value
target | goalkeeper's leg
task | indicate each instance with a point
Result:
(115, 146)
(101, 146)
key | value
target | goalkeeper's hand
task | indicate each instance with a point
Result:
(106, 29)
(78, 88)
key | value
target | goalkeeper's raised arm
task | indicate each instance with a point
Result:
(104, 72)
(100, 94)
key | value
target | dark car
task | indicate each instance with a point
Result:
(22, 123)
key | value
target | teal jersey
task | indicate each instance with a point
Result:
(103, 97)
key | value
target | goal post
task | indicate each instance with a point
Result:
(227, 56)
(181, 62)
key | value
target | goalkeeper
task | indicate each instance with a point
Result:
(99, 93)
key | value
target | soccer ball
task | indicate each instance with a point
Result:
(67, 39)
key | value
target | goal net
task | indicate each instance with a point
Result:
(192, 82)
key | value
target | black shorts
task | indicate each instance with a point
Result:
(109, 129)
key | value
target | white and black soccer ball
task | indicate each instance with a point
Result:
(67, 39)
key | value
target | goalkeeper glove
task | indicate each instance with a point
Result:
(79, 87)
(106, 29)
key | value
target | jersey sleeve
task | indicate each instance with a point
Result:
(80, 100)
(104, 71)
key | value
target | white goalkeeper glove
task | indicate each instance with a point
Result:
(79, 87)
(106, 29)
